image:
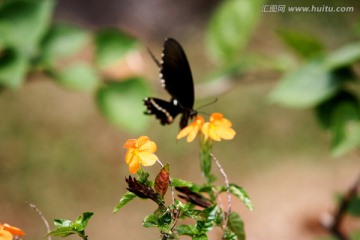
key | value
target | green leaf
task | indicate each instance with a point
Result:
(341, 116)
(62, 232)
(63, 40)
(306, 87)
(188, 230)
(13, 68)
(177, 182)
(304, 44)
(242, 195)
(345, 56)
(151, 221)
(79, 76)
(230, 28)
(125, 199)
(208, 224)
(111, 46)
(66, 227)
(354, 208)
(236, 225)
(198, 215)
(200, 237)
(121, 103)
(62, 223)
(23, 23)
(82, 221)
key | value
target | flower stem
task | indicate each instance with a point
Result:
(205, 159)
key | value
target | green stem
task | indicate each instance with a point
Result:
(205, 159)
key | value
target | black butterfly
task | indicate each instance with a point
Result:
(176, 78)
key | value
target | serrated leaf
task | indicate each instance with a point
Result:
(230, 28)
(236, 225)
(242, 195)
(13, 68)
(112, 46)
(304, 44)
(121, 103)
(306, 87)
(63, 40)
(79, 76)
(23, 23)
(125, 199)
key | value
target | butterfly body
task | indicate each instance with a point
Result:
(176, 78)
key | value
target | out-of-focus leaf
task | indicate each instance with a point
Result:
(306, 87)
(304, 44)
(242, 195)
(341, 115)
(354, 208)
(61, 41)
(125, 199)
(347, 55)
(23, 23)
(236, 225)
(230, 28)
(78, 76)
(111, 46)
(121, 103)
(13, 68)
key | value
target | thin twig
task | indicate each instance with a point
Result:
(42, 218)
(335, 224)
(227, 189)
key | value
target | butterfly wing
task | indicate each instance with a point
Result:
(176, 75)
(163, 110)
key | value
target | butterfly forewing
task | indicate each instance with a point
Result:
(176, 74)
(176, 78)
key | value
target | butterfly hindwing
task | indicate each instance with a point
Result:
(163, 110)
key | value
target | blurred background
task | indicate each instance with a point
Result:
(58, 152)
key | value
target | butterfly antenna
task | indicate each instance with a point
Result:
(207, 104)
(154, 58)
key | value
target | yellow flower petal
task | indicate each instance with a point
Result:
(5, 235)
(134, 166)
(148, 146)
(192, 129)
(148, 159)
(130, 143)
(130, 155)
(142, 140)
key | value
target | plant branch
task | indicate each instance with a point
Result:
(42, 218)
(227, 214)
(334, 226)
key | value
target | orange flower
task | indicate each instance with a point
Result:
(140, 152)
(7, 232)
(192, 129)
(218, 128)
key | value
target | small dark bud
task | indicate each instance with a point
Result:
(143, 191)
